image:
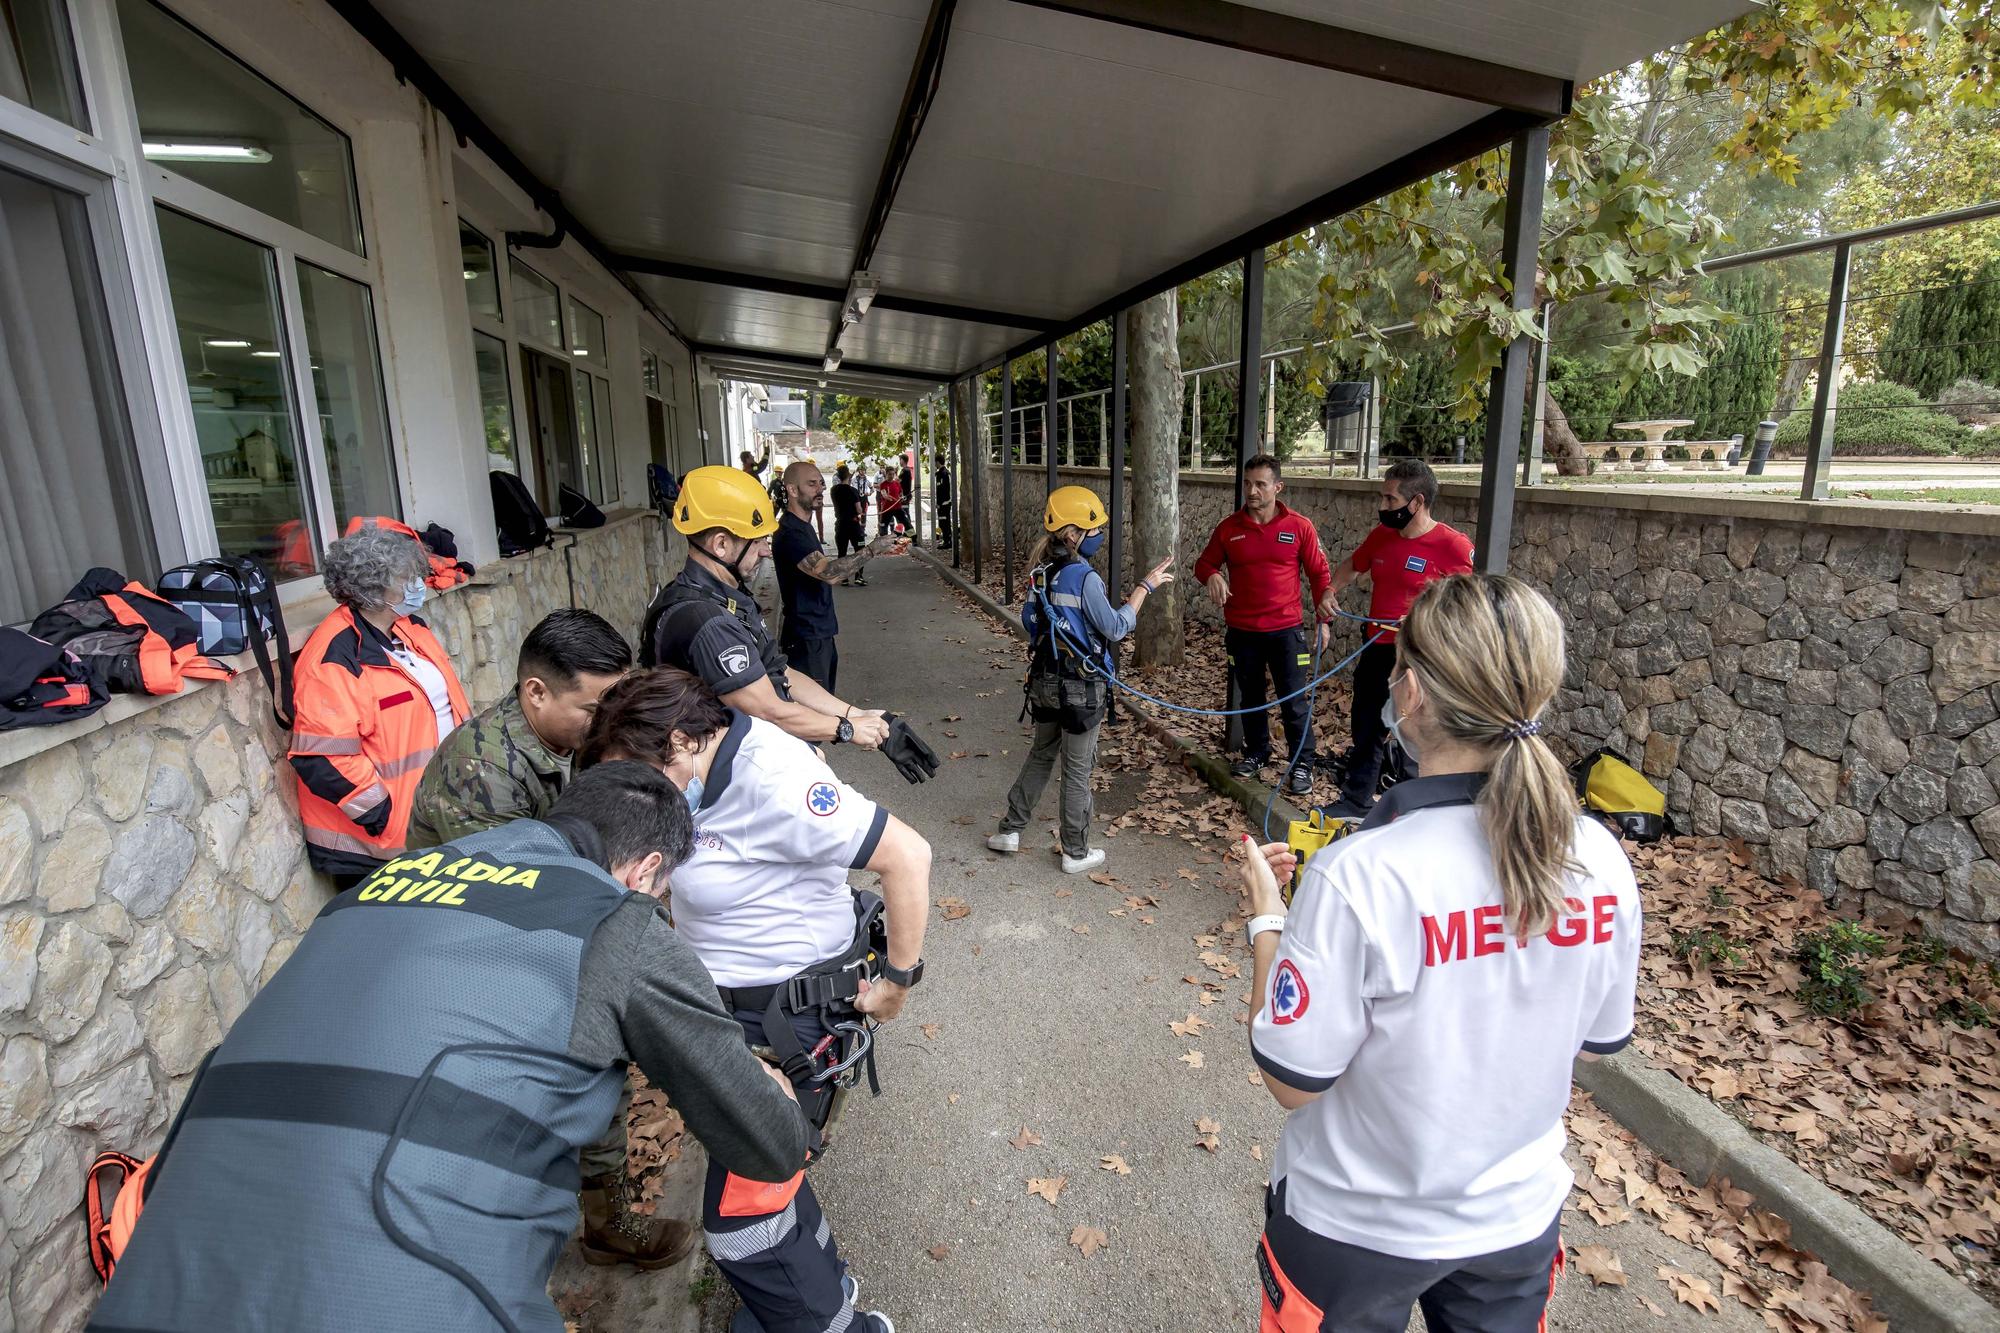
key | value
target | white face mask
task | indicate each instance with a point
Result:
(1394, 723)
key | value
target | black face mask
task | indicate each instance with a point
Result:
(1396, 519)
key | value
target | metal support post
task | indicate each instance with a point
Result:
(1117, 459)
(1271, 401)
(1819, 456)
(955, 461)
(1249, 346)
(1531, 467)
(1007, 478)
(1527, 173)
(920, 445)
(1049, 421)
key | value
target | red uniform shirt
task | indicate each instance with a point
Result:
(1398, 567)
(1264, 560)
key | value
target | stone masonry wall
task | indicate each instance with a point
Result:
(1813, 679)
(152, 878)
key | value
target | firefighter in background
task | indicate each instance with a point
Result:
(1072, 626)
(804, 963)
(375, 696)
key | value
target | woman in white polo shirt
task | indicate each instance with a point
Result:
(763, 899)
(1419, 1010)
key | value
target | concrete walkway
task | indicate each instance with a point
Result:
(1052, 1014)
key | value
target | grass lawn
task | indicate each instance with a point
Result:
(1949, 495)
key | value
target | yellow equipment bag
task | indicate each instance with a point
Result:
(1612, 788)
(1309, 835)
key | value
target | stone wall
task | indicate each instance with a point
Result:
(152, 878)
(1819, 680)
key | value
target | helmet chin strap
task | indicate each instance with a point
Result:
(735, 567)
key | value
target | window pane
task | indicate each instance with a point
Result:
(347, 384)
(70, 492)
(537, 309)
(604, 466)
(649, 371)
(586, 436)
(496, 406)
(225, 294)
(586, 328)
(38, 61)
(206, 116)
(482, 285)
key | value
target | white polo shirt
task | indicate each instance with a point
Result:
(764, 894)
(1442, 1044)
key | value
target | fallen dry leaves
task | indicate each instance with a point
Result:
(1192, 1059)
(1896, 1107)
(1600, 1265)
(1027, 1138)
(1111, 1161)
(954, 909)
(1047, 1186)
(1210, 1132)
(655, 1136)
(1088, 1239)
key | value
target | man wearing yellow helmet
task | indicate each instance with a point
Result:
(1071, 626)
(706, 622)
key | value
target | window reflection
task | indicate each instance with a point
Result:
(225, 296)
(38, 60)
(537, 308)
(482, 284)
(586, 331)
(496, 405)
(347, 383)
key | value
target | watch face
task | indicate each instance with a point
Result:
(843, 731)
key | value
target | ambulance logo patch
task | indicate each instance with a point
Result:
(1289, 996)
(822, 798)
(1415, 564)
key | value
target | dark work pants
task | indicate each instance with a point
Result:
(1371, 691)
(1311, 1283)
(818, 658)
(944, 523)
(771, 1241)
(848, 536)
(1286, 656)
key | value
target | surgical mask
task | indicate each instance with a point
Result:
(413, 598)
(1394, 723)
(1090, 545)
(1396, 519)
(693, 794)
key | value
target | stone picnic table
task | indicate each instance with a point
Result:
(1656, 438)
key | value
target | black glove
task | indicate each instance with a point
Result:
(915, 760)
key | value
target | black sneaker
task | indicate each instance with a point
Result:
(1300, 781)
(1245, 767)
(1345, 808)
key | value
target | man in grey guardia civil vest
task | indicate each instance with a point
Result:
(388, 1136)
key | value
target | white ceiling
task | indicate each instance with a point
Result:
(1065, 160)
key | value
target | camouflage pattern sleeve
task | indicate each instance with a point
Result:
(464, 791)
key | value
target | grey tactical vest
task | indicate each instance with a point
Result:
(387, 1138)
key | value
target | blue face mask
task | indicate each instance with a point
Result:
(413, 598)
(1393, 720)
(693, 794)
(1090, 545)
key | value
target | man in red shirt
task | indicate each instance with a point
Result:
(1407, 550)
(1251, 568)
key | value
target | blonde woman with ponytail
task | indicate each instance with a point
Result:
(1418, 1011)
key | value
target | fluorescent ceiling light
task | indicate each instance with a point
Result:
(205, 150)
(470, 276)
(227, 342)
(273, 355)
(861, 290)
(832, 362)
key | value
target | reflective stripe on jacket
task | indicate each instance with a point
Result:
(388, 1136)
(365, 730)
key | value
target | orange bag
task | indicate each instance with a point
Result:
(121, 1178)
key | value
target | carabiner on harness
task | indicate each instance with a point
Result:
(845, 1071)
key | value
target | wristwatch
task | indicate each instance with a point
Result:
(890, 972)
(843, 731)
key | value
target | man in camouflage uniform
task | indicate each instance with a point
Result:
(510, 762)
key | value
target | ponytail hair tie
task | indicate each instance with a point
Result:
(1520, 731)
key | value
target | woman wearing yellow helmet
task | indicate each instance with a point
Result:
(1071, 625)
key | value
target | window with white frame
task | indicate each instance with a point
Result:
(38, 60)
(489, 348)
(597, 448)
(661, 427)
(260, 227)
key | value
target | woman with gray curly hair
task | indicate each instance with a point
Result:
(375, 696)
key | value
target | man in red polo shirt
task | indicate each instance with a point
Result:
(1408, 549)
(1251, 568)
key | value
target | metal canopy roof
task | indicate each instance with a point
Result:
(1007, 169)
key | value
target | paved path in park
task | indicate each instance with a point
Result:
(1052, 1014)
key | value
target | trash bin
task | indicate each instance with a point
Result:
(1760, 452)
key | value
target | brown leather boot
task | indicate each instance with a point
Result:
(611, 1235)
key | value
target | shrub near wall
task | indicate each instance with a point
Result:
(152, 878)
(1804, 677)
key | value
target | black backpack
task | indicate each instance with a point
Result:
(235, 608)
(520, 521)
(577, 509)
(42, 683)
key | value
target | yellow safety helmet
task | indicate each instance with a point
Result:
(1073, 507)
(724, 497)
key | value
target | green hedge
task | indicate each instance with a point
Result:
(1880, 418)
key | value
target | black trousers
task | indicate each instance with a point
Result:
(944, 532)
(848, 536)
(818, 658)
(1285, 656)
(1371, 738)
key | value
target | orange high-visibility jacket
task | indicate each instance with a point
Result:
(364, 731)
